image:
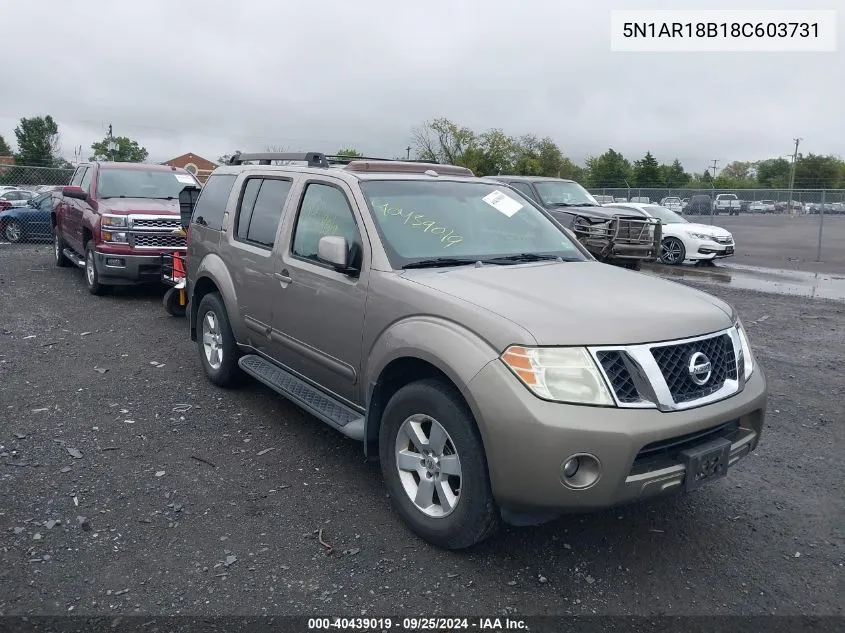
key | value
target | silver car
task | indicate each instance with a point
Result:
(496, 370)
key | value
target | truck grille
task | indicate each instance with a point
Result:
(156, 223)
(618, 375)
(157, 240)
(674, 360)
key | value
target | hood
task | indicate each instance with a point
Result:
(596, 212)
(705, 229)
(125, 206)
(582, 303)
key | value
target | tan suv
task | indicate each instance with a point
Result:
(451, 325)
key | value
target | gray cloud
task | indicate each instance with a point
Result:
(212, 76)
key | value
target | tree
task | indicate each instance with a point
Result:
(442, 141)
(815, 171)
(38, 141)
(349, 152)
(128, 150)
(647, 172)
(773, 173)
(611, 169)
(225, 158)
(5, 150)
(674, 175)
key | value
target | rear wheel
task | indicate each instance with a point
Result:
(217, 347)
(13, 231)
(434, 465)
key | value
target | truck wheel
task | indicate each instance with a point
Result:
(218, 350)
(434, 465)
(171, 303)
(58, 250)
(92, 277)
(672, 251)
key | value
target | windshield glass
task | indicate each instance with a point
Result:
(420, 220)
(667, 216)
(561, 192)
(140, 183)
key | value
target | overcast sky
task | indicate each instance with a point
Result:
(212, 76)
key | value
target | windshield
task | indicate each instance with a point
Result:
(140, 183)
(667, 216)
(420, 220)
(563, 193)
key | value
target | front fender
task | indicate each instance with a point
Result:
(213, 269)
(450, 347)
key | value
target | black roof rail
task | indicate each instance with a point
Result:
(314, 159)
(345, 160)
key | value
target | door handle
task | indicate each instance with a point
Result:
(283, 277)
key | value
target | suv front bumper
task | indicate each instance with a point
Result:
(528, 440)
(122, 269)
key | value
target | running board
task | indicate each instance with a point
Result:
(74, 258)
(337, 415)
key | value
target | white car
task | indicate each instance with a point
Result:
(672, 203)
(17, 197)
(683, 240)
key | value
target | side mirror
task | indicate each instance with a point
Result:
(333, 250)
(187, 201)
(72, 191)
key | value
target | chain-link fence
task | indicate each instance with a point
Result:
(27, 197)
(805, 200)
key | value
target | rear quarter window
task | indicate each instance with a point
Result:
(213, 200)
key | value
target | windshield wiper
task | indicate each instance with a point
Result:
(521, 257)
(441, 261)
(573, 204)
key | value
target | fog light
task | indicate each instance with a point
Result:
(580, 471)
(114, 261)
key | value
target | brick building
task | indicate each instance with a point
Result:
(197, 165)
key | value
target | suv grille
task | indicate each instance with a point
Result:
(673, 361)
(620, 379)
(153, 240)
(156, 223)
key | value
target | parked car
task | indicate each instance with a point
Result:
(700, 204)
(602, 199)
(672, 203)
(726, 202)
(684, 240)
(609, 236)
(30, 222)
(762, 206)
(474, 349)
(15, 198)
(116, 220)
(641, 199)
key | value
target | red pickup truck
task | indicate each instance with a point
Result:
(116, 220)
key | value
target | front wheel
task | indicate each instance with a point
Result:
(13, 231)
(434, 466)
(92, 276)
(672, 251)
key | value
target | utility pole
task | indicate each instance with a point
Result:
(111, 145)
(792, 173)
(713, 184)
(408, 149)
(715, 162)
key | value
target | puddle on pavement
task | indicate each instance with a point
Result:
(773, 280)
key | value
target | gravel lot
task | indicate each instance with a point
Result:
(215, 507)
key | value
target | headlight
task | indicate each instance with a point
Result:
(748, 362)
(108, 236)
(562, 374)
(114, 220)
(702, 236)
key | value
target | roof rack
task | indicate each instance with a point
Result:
(345, 160)
(408, 167)
(314, 159)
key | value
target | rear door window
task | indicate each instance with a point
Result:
(261, 210)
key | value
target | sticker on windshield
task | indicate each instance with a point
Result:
(185, 179)
(502, 203)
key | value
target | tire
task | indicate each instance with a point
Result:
(58, 251)
(213, 321)
(171, 303)
(92, 277)
(13, 231)
(471, 515)
(672, 251)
